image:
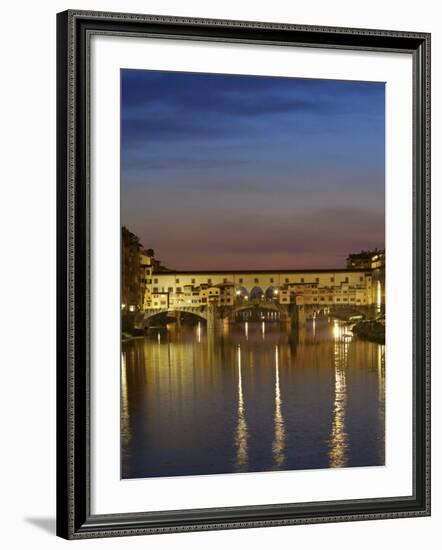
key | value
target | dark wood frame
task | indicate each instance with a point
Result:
(74, 519)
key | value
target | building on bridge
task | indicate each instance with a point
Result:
(367, 259)
(350, 287)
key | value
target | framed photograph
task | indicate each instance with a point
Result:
(243, 274)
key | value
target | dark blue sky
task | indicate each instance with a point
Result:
(227, 171)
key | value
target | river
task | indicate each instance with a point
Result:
(251, 397)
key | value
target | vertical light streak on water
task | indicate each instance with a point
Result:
(338, 442)
(198, 332)
(241, 438)
(381, 397)
(263, 330)
(278, 446)
(246, 329)
(125, 419)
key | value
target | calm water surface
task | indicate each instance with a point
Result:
(253, 397)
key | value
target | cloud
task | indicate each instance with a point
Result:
(174, 105)
(256, 172)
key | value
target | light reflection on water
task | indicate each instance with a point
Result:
(278, 446)
(251, 397)
(241, 428)
(339, 438)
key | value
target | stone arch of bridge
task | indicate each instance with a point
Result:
(269, 306)
(150, 315)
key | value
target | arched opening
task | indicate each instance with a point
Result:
(256, 293)
(241, 293)
(164, 319)
(271, 294)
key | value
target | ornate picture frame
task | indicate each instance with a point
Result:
(74, 517)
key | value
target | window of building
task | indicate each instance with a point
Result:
(302, 279)
(240, 281)
(256, 281)
(317, 279)
(338, 299)
(193, 281)
(361, 278)
(332, 279)
(170, 289)
(177, 281)
(178, 289)
(346, 280)
(155, 290)
(286, 280)
(209, 281)
(271, 279)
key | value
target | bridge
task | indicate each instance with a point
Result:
(215, 315)
(284, 295)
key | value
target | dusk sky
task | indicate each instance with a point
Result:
(250, 172)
